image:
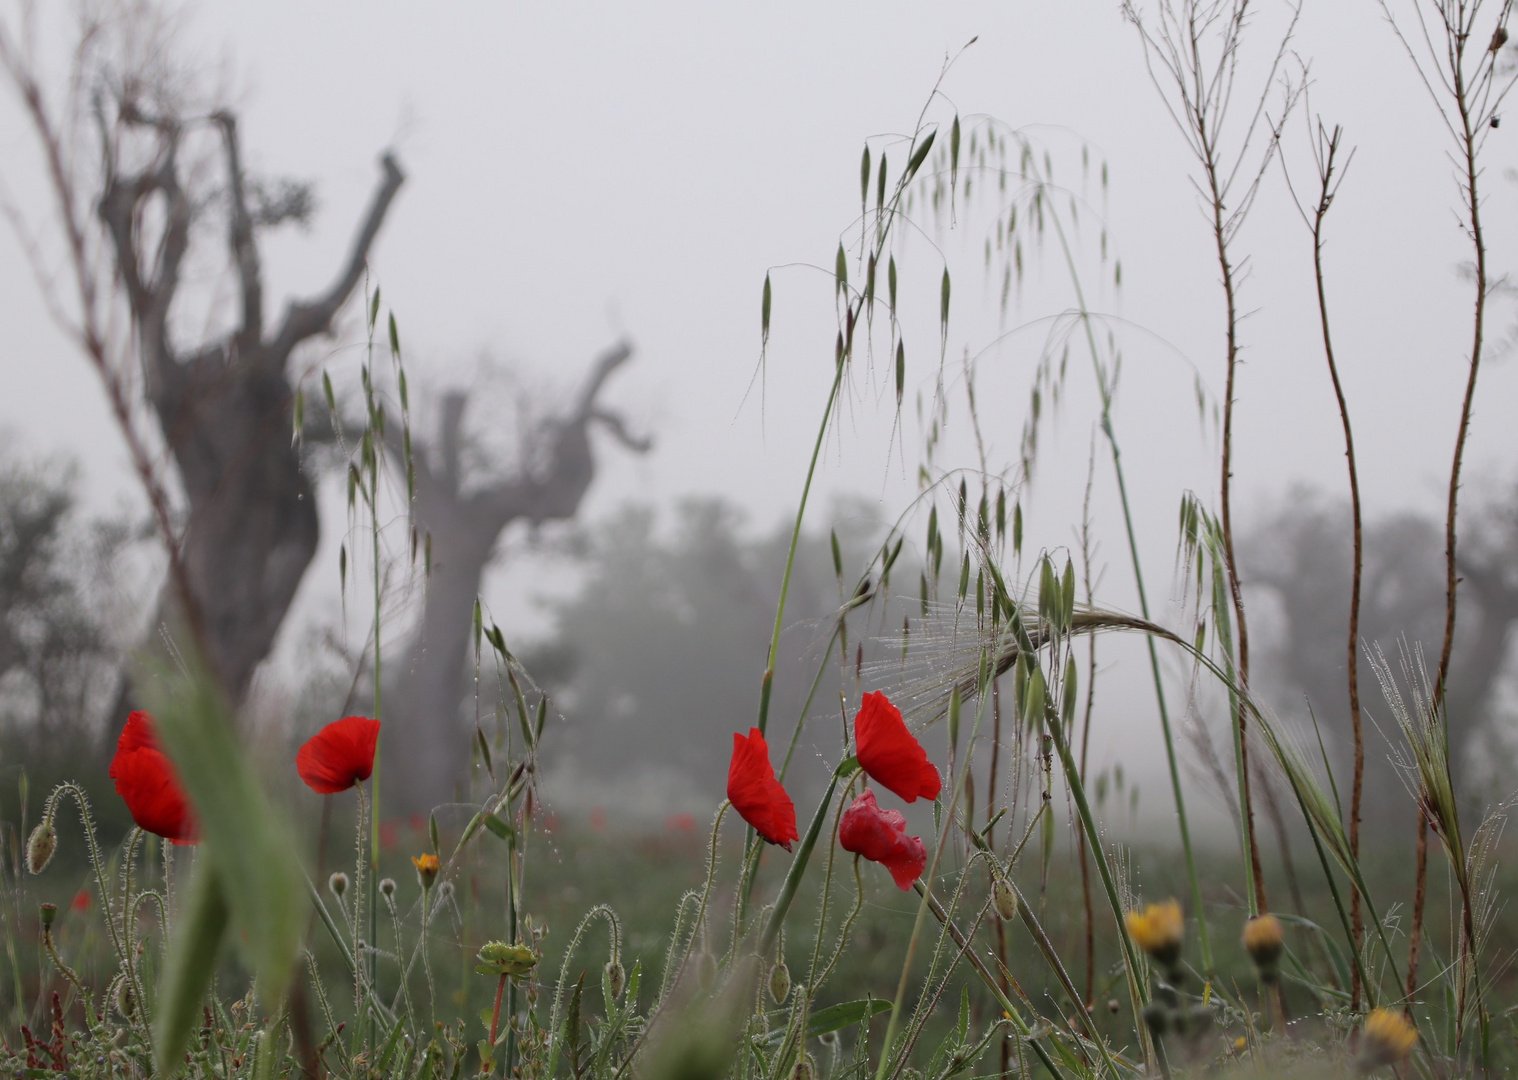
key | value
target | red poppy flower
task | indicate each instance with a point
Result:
(81, 901)
(881, 836)
(339, 755)
(889, 754)
(147, 783)
(756, 794)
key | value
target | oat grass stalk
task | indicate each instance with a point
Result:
(1426, 768)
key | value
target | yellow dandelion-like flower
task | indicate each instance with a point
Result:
(1385, 1039)
(427, 868)
(1264, 940)
(1159, 930)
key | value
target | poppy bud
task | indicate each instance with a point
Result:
(1263, 941)
(49, 912)
(616, 978)
(387, 887)
(338, 883)
(41, 845)
(780, 983)
(804, 1069)
(1004, 900)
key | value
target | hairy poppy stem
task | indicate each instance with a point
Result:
(798, 864)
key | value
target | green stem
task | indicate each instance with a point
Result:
(1136, 986)
(798, 863)
(982, 689)
(751, 837)
(1138, 579)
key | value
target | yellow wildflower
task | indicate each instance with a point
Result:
(1264, 940)
(1159, 930)
(427, 868)
(1385, 1039)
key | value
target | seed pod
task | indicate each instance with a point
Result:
(40, 846)
(48, 912)
(780, 983)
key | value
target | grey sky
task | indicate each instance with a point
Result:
(579, 171)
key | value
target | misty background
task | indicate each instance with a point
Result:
(579, 175)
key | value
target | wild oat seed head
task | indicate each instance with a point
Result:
(1159, 930)
(1386, 1039)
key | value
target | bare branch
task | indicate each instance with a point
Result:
(617, 426)
(608, 362)
(244, 250)
(312, 317)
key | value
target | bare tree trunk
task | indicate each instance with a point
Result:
(426, 747)
(226, 410)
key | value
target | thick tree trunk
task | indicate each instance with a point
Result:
(225, 409)
(426, 744)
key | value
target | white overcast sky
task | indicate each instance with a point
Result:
(579, 171)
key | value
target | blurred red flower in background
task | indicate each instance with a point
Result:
(889, 754)
(81, 901)
(756, 794)
(147, 783)
(339, 755)
(881, 836)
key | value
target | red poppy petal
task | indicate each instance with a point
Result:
(881, 836)
(754, 792)
(889, 754)
(139, 734)
(146, 782)
(339, 755)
